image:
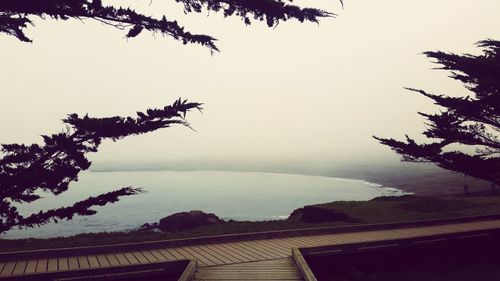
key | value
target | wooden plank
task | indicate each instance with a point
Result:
(149, 256)
(250, 268)
(93, 261)
(297, 242)
(179, 254)
(166, 253)
(130, 258)
(41, 265)
(260, 254)
(378, 237)
(263, 249)
(302, 265)
(327, 240)
(198, 256)
(211, 255)
(323, 239)
(250, 265)
(263, 268)
(280, 244)
(175, 253)
(8, 268)
(373, 236)
(319, 241)
(324, 236)
(309, 241)
(52, 265)
(83, 262)
(120, 258)
(266, 248)
(226, 253)
(248, 251)
(342, 239)
(260, 275)
(432, 230)
(283, 269)
(274, 263)
(303, 241)
(140, 257)
(19, 268)
(73, 263)
(215, 256)
(220, 255)
(288, 243)
(103, 261)
(240, 257)
(352, 239)
(158, 255)
(62, 263)
(116, 259)
(285, 262)
(204, 275)
(336, 239)
(236, 252)
(491, 224)
(187, 255)
(189, 272)
(273, 247)
(31, 266)
(411, 234)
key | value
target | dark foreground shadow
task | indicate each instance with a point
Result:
(471, 259)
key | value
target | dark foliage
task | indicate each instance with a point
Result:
(15, 15)
(472, 122)
(28, 170)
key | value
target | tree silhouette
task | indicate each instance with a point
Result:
(27, 170)
(466, 131)
(15, 15)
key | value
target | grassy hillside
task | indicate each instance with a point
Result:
(409, 208)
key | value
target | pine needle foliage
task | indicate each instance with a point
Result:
(26, 171)
(16, 16)
(465, 133)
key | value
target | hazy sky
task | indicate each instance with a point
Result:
(299, 90)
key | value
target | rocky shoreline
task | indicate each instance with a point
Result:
(196, 219)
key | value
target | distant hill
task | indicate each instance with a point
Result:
(423, 179)
(420, 178)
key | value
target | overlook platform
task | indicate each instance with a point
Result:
(248, 259)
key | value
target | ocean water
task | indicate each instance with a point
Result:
(230, 195)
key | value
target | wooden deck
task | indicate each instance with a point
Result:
(279, 269)
(266, 259)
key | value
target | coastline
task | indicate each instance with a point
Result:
(232, 195)
(419, 179)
